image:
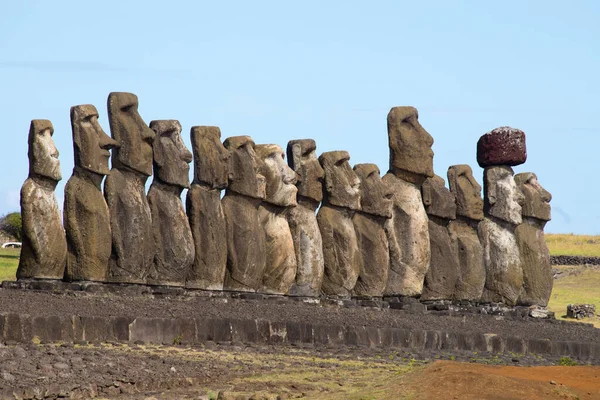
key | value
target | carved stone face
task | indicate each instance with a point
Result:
(469, 203)
(91, 144)
(131, 132)
(280, 179)
(375, 196)
(171, 158)
(503, 199)
(211, 158)
(43, 155)
(410, 144)
(302, 158)
(537, 199)
(438, 200)
(244, 173)
(342, 186)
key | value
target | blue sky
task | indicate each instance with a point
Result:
(325, 70)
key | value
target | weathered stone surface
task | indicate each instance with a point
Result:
(502, 146)
(133, 248)
(86, 216)
(280, 270)
(502, 198)
(369, 224)
(302, 220)
(340, 246)
(205, 213)
(469, 203)
(173, 241)
(44, 249)
(443, 273)
(246, 259)
(535, 257)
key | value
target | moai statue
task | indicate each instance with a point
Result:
(340, 245)
(174, 245)
(86, 215)
(369, 225)
(411, 162)
(443, 273)
(535, 257)
(246, 251)
(44, 248)
(204, 210)
(469, 212)
(308, 245)
(280, 196)
(133, 247)
(497, 151)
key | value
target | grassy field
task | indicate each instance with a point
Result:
(573, 245)
(9, 261)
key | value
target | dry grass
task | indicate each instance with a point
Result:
(573, 245)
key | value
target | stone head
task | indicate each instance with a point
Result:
(280, 179)
(375, 195)
(244, 167)
(438, 200)
(91, 144)
(469, 203)
(503, 199)
(410, 144)
(342, 186)
(537, 199)
(43, 155)
(131, 132)
(211, 158)
(171, 158)
(302, 158)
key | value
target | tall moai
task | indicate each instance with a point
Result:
(497, 152)
(308, 244)
(86, 215)
(340, 244)
(44, 248)
(280, 196)
(246, 251)
(133, 248)
(369, 225)
(204, 210)
(443, 273)
(469, 212)
(411, 162)
(173, 241)
(535, 257)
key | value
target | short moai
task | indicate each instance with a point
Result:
(411, 162)
(280, 196)
(133, 247)
(340, 245)
(173, 241)
(535, 257)
(469, 212)
(308, 244)
(443, 273)
(204, 210)
(44, 248)
(369, 225)
(86, 216)
(246, 251)
(497, 151)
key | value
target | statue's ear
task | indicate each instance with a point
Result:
(491, 191)
(426, 193)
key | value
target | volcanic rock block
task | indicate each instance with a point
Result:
(369, 224)
(44, 250)
(443, 273)
(173, 239)
(302, 220)
(502, 146)
(280, 196)
(535, 257)
(205, 213)
(133, 247)
(86, 215)
(340, 246)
